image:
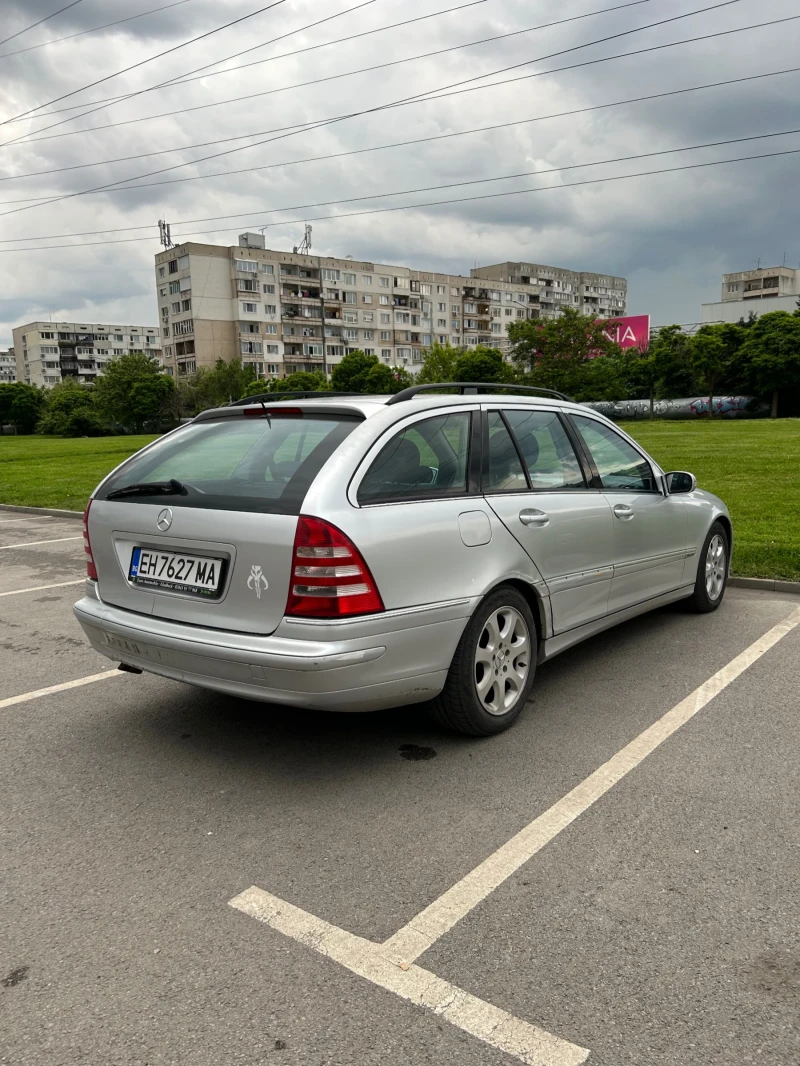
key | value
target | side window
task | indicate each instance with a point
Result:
(549, 457)
(504, 469)
(618, 463)
(425, 460)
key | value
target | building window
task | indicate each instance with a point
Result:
(509, 312)
(384, 300)
(348, 279)
(385, 283)
(401, 283)
(349, 297)
(249, 309)
(386, 318)
(350, 334)
(441, 307)
(350, 316)
(269, 289)
(270, 309)
(252, 348)
(271, 329)
(404, 353)
(267, 268)
(441, 323)
(247, 285)
(369, 334)
(180, 328)
(386, 335)
(176, 308)
(247, 266)
(367, 316)
(272, 349)
(173, 266)
(330, 275)
(249, 327)
(186, 305)
(366, 279)
(312, 349)
(366, 298)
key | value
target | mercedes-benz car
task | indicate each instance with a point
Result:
(350, 553)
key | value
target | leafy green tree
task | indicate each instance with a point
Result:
(300, 381)
(65, 400)
(21, 405)
(352, 373)
(228, 381)
(670, 364)
(769, 359)
(384, 379)
(713, 355)
(482, 364)
(133, 391)
(554, 353)
(439, 364)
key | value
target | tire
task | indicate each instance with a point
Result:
(712, 571)
(502, 635)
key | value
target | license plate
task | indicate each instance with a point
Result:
(194, 575)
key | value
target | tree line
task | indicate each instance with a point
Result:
(570, 354)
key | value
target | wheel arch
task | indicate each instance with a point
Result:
(534, 601)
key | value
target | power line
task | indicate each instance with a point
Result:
(196, 70)
(432, 188)
(94, 29)
(142, 62)
(332, 77)
(396, 144)
(432, 203)
(398, 103)
(283, 55)
(33, 25)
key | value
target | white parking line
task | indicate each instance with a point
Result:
(33, 518)
(77, 683)
(420, 987)
(34, 543)
(390, 963)
(42, 588)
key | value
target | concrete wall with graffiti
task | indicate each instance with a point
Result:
(692, 407)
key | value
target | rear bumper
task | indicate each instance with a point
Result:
(384, 661)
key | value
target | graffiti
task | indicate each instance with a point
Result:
(692, 407)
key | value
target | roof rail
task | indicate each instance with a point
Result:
(274, 397)
(473, 387)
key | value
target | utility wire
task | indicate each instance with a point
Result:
(432, 203)
(33, 25)
(431, 188)
(396, 103)
(332, 77)
(269, 59)
(94, 29)
(385, 147)
(142, 62)
(196, 70)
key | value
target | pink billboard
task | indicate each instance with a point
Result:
(629, 332)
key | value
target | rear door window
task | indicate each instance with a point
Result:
(530, 450)
(236, 464)
(426, 460)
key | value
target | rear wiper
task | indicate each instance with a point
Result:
(151, 488)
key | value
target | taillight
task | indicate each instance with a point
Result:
(329, 577)
(91, 569)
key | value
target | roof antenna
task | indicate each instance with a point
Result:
(164, 235)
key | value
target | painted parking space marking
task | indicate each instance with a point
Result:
(33, 518)
(420, 987)
(390, 963)
(43, 588)
(36, 543)
(24, 697)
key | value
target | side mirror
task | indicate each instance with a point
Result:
(680, 481)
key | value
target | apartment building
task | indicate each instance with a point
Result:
(48, 352)
(8, 366)
(287, 311)
(598, 294)
(759, 291)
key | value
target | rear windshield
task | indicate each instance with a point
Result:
(235, 464)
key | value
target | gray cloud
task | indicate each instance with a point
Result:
(672, 235)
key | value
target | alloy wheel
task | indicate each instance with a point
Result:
(502, 660)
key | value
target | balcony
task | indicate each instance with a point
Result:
(296, 292)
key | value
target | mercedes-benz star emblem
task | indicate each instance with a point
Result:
(164, 520)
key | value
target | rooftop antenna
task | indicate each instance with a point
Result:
(305, 244)
(164, 234)
(758, 263)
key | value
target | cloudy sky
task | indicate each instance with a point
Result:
(672, 235)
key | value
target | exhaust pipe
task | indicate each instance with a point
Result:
(126, 668)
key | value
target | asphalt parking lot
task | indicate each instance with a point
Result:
(650, 918)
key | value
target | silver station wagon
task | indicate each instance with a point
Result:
(350, 553)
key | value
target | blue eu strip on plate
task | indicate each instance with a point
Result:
(135, 562)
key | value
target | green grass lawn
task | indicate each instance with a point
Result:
(56, 472)
(754, 466)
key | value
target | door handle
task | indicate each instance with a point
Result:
(621, 510)
(531, 517)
